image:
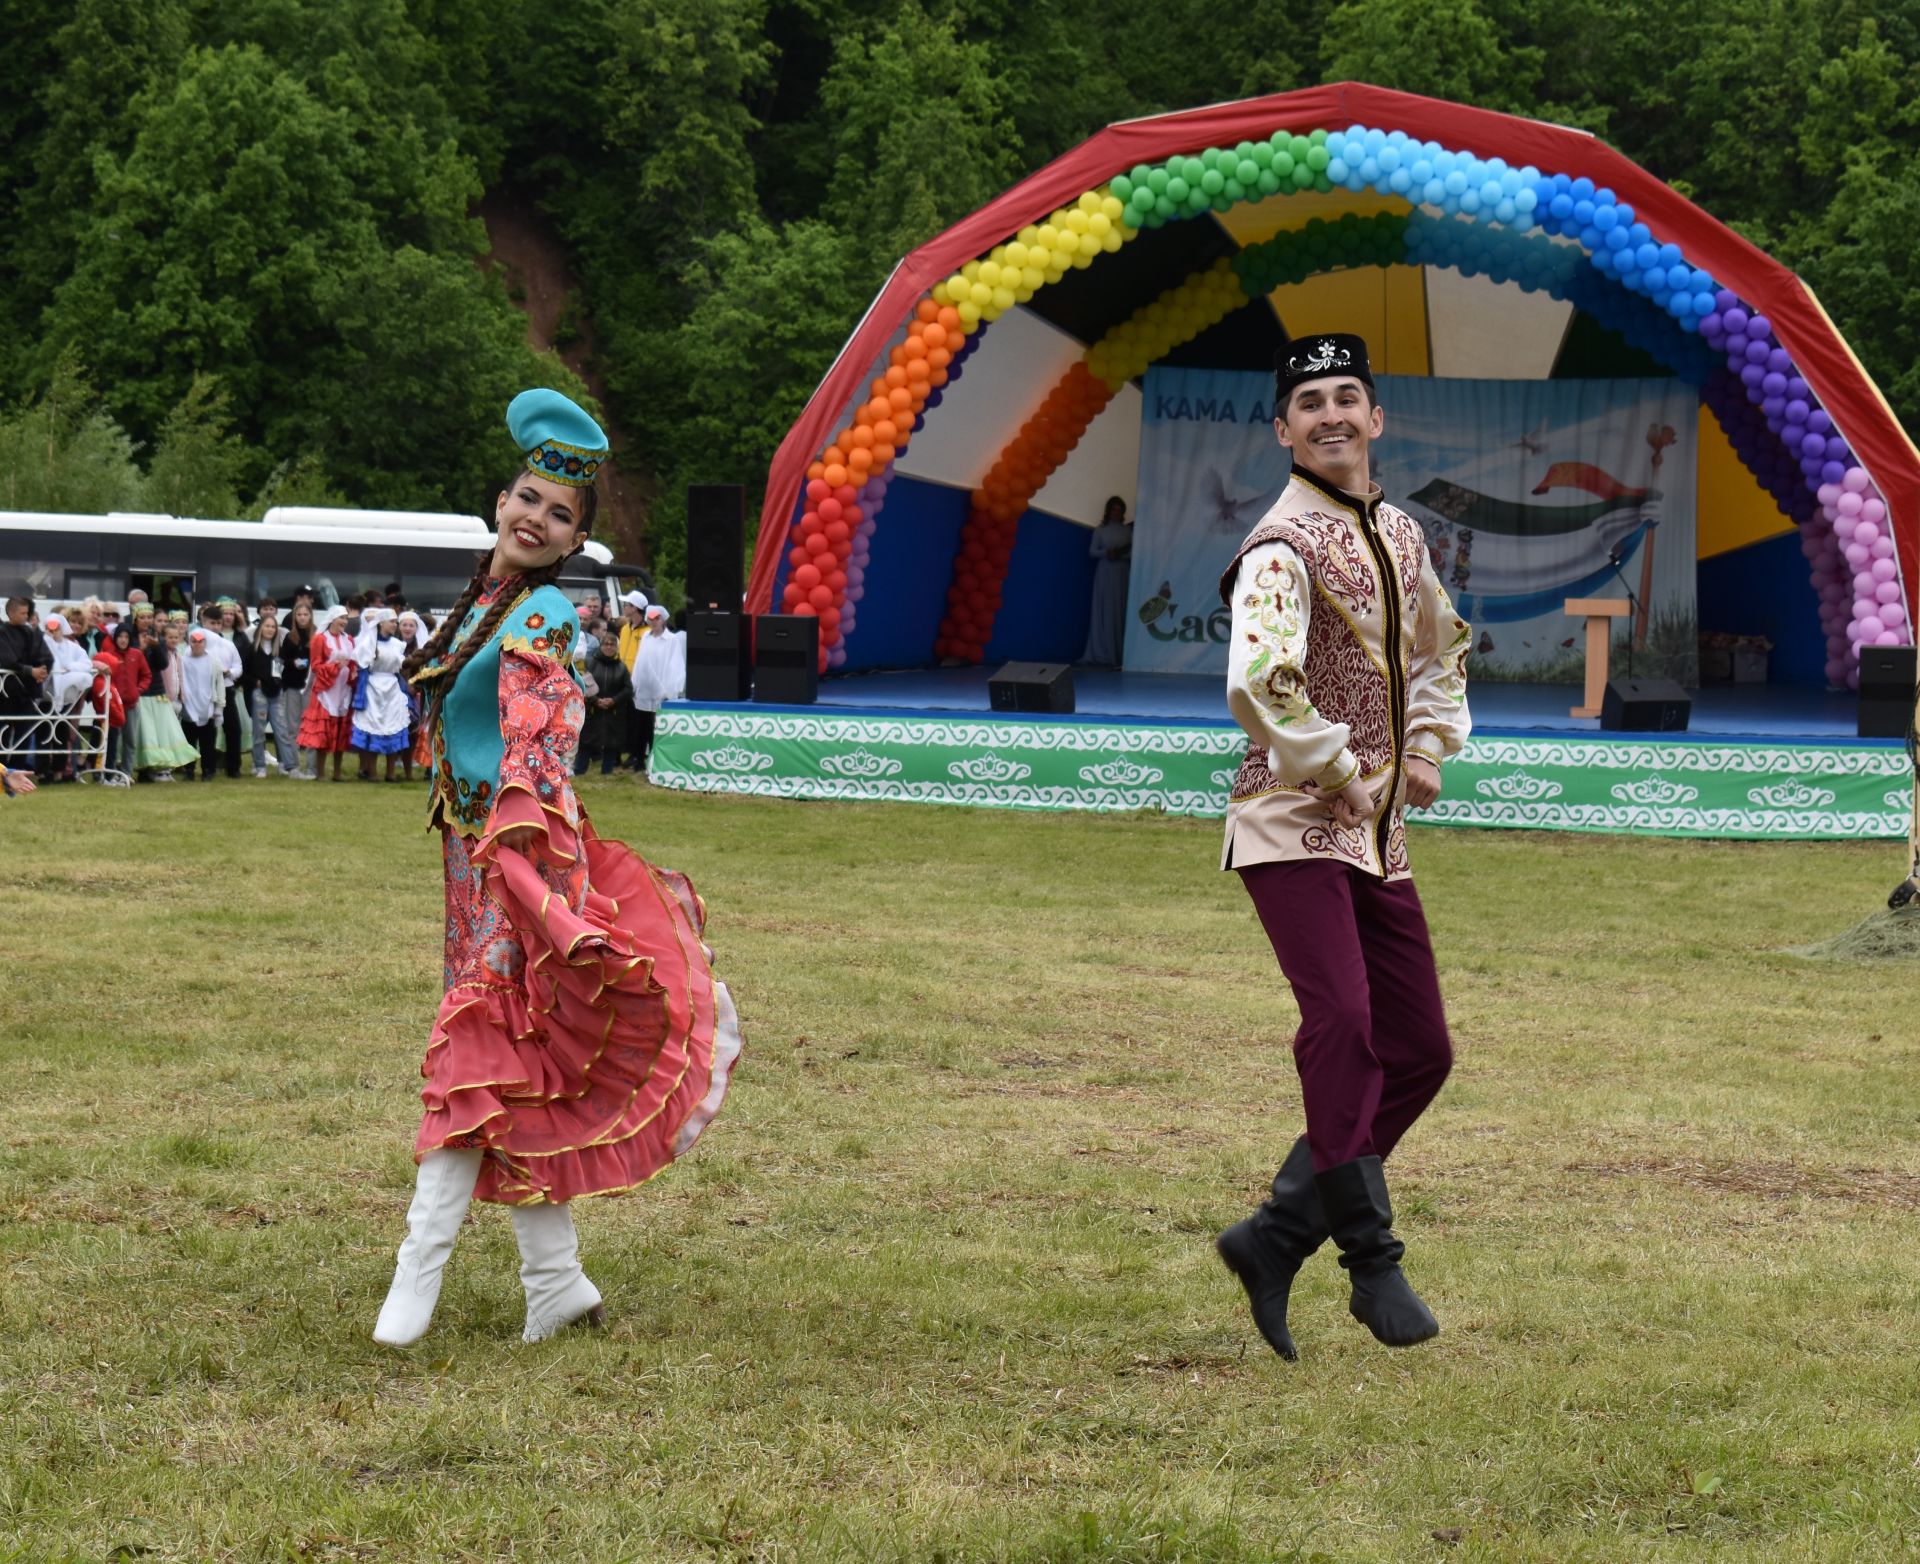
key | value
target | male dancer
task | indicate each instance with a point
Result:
(1347, 670)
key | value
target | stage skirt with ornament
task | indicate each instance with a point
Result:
(583, 1042)
(160, 742)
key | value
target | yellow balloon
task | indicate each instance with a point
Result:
(970, 271)
(1033, 277)
(1003, 299)
(1089, 247)
(1113, 208)
(1077, 222)
(1114, 239)
(1030, 235)
(982, 294)
(989, 273)
(1099, 225)
(1048, 236)
(1016, 254)
(1089, 201)
(969, 313)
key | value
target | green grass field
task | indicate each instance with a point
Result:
(939, 1283)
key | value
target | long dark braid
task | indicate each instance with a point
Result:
(442, 637)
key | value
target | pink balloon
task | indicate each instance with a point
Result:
(1843, 527)
(1872, 628)
(1827, 493)
(1893, 614)
(1881, 548)
(1856, 554)
(1849, 504)
(1886, 592)
(1865, 531)
(1855, 481)
(1874, 508)
(1883, 570)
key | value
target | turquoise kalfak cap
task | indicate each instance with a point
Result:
(560, 441)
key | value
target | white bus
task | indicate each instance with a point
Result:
(179, 561)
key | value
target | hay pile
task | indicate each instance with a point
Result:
(1886, 936)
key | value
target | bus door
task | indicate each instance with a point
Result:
(165, 589)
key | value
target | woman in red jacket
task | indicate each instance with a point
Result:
(131, 679)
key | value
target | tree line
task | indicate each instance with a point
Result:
(240, 263)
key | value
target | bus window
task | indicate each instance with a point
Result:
(165, 589)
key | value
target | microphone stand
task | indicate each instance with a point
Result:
(1614, 559)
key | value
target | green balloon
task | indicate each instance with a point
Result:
(1283, 163)
(1140, 173)
(1302, 176)
(1177, 188)
(1300, 147)
(1192, 169)
(1212, 181)
(1233, 190)
(1222, 204)
(1322, 183)
(1163, 208)
(1318, 138)
(1317, 158)
(1246, 171)
(1122, 187)
(1158, 180)
(1268, 182)
(1262, 154)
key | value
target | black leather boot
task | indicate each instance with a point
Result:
(1354, 1197)
(1267, 1250)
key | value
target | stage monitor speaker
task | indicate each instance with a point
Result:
(1645, 706)
(786, 659)
(716, 535)
(1031, 687)
(1887, 676)
(719, 656)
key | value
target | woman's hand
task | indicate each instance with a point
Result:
(518, 837)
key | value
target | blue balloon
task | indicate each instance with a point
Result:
(1561, 206)
(1456, 183)
(1638, 232)
(1435, 193)
(1653, 277)
(1582, 189)
(1703, 300)
(1670, 255)
(1399, 181)
(1615, 239)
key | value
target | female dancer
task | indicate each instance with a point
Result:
(327, 728)
(583, 1042)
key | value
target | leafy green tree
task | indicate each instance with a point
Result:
(61, 451)
(197, 460)
(1442, 48)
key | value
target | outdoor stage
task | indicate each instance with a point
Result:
(1758, 760)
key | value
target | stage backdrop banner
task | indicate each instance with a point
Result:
(1527, 490)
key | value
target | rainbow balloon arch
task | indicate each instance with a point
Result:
(1467, 189)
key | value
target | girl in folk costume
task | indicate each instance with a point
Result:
(583, 1041)
(160, 743)
(380, 727)
(327, 727)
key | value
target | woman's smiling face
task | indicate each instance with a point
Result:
(537, 521)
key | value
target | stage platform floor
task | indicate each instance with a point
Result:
(1735, 711)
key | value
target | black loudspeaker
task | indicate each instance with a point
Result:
(1645, 706)
(1887, 676)
(786, 659)
(1031, 687)
(719, 656)
(716, 535)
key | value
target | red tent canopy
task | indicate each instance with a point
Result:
(1820, 353)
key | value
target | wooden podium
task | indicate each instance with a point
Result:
(1599, 612)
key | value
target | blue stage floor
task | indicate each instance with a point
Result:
(1764, 711)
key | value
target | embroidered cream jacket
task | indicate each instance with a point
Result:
(1345, 657)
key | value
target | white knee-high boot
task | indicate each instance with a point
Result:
(440, 1195)
(558, 1292)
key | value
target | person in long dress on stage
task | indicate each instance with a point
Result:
(1112, 548)
(583, 1041)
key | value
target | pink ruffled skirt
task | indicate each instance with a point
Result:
(583, 1042)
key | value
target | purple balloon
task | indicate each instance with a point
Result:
(1779, 361)
(1736, 318)
(1820, 421)
(1813, 445)
(1759, 326)
(1797, 409)
(1727, 299)
(1832, 472)
(1796, 386)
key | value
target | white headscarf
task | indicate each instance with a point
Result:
(370, 622)
(330, 618)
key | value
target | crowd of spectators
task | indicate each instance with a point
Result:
(127, 693)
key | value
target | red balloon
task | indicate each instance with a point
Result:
(838, 532)
(804, 608)
(846, 494)
(817, 543)
(838, 581)
(807, 577)
(821, 597)
(791, 595)
(810, 524)
(852, 515)
(817, 489)
(829, 509)
(797, 556)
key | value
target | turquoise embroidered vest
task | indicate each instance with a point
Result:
(463, 727)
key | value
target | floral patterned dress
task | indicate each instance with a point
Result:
(583, 1041)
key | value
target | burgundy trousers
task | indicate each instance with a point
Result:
(1372, 1049)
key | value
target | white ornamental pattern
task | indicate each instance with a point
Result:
(1655, 790)
(1900, 798)
(1223, 742)
(733, 759)
(1518, 785)
(1793, 794)
(989, 768)
(861, 763)
(1121, 773)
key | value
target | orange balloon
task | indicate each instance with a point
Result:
(864, 435)
(898, 355)
(937, 379)
(920, 389)
(904, 422)
(833, 455)
(938, 358)
(950, 318)
(896, 377)
(933, 334)
(900, 396)
(884, 453)
(859, 459)
(914, 347)
(880, 387)
(918, 367)
(816, 470)
(878, 408)
(926, 309)
(835, 474)
(884, 430)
